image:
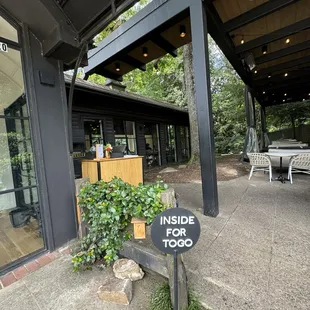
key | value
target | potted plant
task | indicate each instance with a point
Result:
(108, 150)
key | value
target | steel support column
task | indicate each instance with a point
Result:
(199, 30)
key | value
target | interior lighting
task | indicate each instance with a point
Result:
(283, 100)
(242, 40)
(264, 92)
(285, 74)
(145, 51)
(255, 71)
(269, 75)
(287, 41)
(182, 31)
(285, 95)
(117, 67)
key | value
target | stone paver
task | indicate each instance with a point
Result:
(256, 253)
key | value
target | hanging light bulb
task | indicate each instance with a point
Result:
(117, 67)
(285, 74)
(242, 40)
(182, 31)
(264, 49)
(285, 94)
(145, 51)
(287, 41)
(269, 75)
(264, 92)
(255, 71)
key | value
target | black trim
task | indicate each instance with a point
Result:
(11, 44)
(21, 261)
(284, 65)
(165, 45)
(17, 189)
(98, 170)
(256, 13)
(134, 62)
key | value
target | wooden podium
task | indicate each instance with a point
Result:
(129, 169)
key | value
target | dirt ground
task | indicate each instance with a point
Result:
(228, 167)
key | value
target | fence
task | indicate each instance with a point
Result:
(302, 134)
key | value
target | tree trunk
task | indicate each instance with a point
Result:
(294, 127)
(191, 101)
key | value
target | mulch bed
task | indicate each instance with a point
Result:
(228, 167)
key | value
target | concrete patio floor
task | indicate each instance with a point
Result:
(256, 253)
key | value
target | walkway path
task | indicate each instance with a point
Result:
(256, 253)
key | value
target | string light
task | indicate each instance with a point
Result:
(264, 92)
(286, 74)
(269, 75)
(285, 95)
(242, 40)
(255, 71)
(287, 41)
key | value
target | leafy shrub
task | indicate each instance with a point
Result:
(107, 209)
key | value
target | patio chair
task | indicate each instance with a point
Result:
(260, 162)
(299, 164)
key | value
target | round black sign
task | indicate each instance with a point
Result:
(175, 230)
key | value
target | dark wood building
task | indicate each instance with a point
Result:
(108, 114)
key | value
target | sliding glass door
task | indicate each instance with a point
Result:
(20, 222)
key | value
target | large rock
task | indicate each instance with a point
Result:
(127, 269)
(116, 291)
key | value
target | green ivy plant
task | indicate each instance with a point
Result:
(107, 209)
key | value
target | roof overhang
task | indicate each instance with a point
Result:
(63, 26)
(240, 28)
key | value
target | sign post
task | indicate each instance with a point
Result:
(175, 231)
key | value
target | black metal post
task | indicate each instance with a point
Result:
(199, 30)
(175, 280)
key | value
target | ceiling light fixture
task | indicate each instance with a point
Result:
(145, 51)
(242, 40)
(255, 71)
(285, 95)
(264, 92)
(182, 31)
(283, 100)
(117, 67)
(287, 41)
(285, 74)
(264, 49)
(269, 75)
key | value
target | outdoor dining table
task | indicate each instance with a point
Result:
(278, 154)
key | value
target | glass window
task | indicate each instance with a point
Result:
(7, 30)
(151, 144)
(93, 134)
(125, 134)
(20, 223)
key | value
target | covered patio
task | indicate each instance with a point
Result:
(256, 253)
(267, 43)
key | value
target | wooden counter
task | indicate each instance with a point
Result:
(129, 169)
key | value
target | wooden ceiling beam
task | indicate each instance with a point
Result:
(256, 13)
(133, 62)
(283, 52)
(273, 36)
(283, 66)
(165, 45)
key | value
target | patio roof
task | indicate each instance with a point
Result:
(275, 34)
(62, 26)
